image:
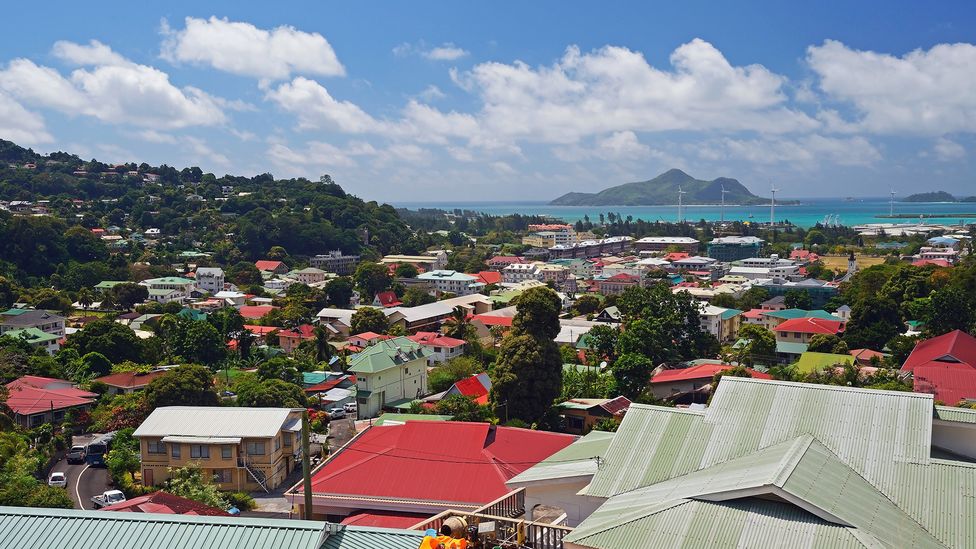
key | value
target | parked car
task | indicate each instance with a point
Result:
(57, 479)
(349, 407)
(337, 413)
(108, 497)
(76, 454)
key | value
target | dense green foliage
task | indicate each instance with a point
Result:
(663, 189)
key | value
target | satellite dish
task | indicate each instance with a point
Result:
(603, 365)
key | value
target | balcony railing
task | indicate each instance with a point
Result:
(498, 529)
(511, 505)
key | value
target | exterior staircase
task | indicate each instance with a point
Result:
(257, 474)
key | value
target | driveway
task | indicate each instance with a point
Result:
(83, 481)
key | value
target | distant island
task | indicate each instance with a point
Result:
(936, 196)
(663, 190)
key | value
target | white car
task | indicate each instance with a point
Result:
(337, 413)
(57, 479)
(349, 407)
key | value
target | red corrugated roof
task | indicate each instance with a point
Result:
(622, 277)
(488, 277)
(166, 503)
(494, 320)
(675, 256)
(753, 313)
(936, 262)
(268, 265)
(260, 330)
(384, 519)
(435, 339)
(130, 380)
(388, 299)
(435, 461)
(48, 383)
(954, 347)
(324, 386)
(25, 400)
(255, 311)
(811, 325)
(702, 371)
(950, 383)
(472, 387)
(369, 336)
(305, 331)
(505, 259)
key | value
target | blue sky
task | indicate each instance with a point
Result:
(438, 101)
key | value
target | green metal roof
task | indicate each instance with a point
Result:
(32, 335)
(729, 313)
(744, 523)
(71, 529)
(108, 284)
(579, 459)
(169, 280)
(397, 419)
(958, 415)
(362, 537)
(789, 314)
(791, 348)
(883, 437)
(814, 362)
(387, 354)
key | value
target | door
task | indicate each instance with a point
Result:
(147, 477)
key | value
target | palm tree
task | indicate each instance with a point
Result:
(85, 297)
(457, 324)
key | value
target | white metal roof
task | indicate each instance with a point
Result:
(202, 440)
(213, 421)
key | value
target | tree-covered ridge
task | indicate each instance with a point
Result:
(231, 216)
(934, 196)
(662, 190)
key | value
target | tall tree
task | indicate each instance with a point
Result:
(759, 346)
(874, 321)
(372, 278)
(369, 319)
(186, 385)
(632, 373)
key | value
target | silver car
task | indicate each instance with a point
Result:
(57, 479)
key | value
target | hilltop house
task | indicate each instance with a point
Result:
(21, 319)
(209, 279)
(270, 266)
(801, 330)
(443, 281)
(169, 288)
(391, 372)
(240, 448)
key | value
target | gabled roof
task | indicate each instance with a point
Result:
(23, 527)
(23, 399)
(488, 277)
(388, 299)
(130, 380)
(883, 437)
(801, 471)
(268, 265)
(814, 362)
(213, 422)
(701, 371)
(811, 325)
(254, 312)
(436, 339)
(304, 331)
(386, 354)
(956, 347)
(476, 387)
(166, 503)
(788, 314)
(406, 462)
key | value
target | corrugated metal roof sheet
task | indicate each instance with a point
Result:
(576, 460)
(883, 437)
(960, 415)
(373, 538)
(70, 529)
(214, 421)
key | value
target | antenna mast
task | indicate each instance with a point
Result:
(772, 206)
(722, 215)
(680, 213)
(891, 205)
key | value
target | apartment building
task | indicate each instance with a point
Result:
(336, 262)
(664, 243)
(240, 448)
(389, 373)
(561, 234)
(733, 248)
(520, 272)
(210, 279)
(444, 281)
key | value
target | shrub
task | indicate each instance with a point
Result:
(242, 500)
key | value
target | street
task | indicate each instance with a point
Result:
(83, 481)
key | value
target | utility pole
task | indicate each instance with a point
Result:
(722, 218)
(306, 467)
(681, 218)
(772, 206)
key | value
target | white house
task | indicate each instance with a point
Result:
(444, 281)
(210, 279)
(391, 372)
(520, 272)
(309, 275)
(168, 288)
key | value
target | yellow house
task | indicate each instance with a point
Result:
(239, 448)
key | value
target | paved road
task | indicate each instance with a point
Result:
(83, 481)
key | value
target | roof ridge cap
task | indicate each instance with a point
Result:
(792, 458)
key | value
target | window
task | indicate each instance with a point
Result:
(287, 438)
(225, 452)
(157, 447)
(201, 451)
(174, 450)
(223, 476)
(59, 415)
(277, 442)
(255, 448)
(37, 420)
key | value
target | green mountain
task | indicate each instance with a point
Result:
(663, 190)
(936, 196)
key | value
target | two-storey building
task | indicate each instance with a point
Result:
(239, 448)
(390, 372)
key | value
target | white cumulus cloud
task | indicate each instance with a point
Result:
(244, 49)
(113, 90)
(315, 107)
(923, 92)
(21, 126)
(948, 150)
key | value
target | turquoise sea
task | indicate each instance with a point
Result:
(809, 212)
